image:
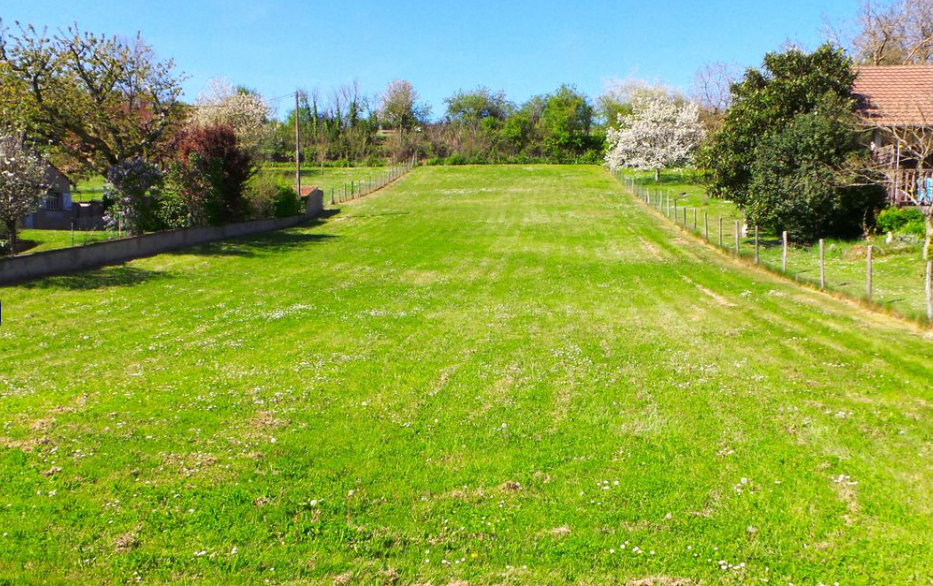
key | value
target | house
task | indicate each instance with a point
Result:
(896, 103)
(57, 211)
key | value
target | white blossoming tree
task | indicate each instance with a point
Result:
(22, 183)
(247, 112)
(660, 132)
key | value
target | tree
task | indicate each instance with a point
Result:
(133, 191)
(399, 107)
(97, 100)
(802, 180)
(566, 121)
(619, 96)
(210, 173)
(474, 106)
(765, 102)
(896, 32)
(22, 182)
(658, 133)
(244, 110)
(712, 85)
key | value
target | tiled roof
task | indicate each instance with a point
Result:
(307, 190)
(896, 95)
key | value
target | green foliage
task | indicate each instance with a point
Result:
(796, 186)
(211, 171)
(901, 221)
(782, 150)
(481, 104)
(270, 197)
(765, 102)
(566, 121)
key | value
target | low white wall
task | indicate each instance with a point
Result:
(78, 258)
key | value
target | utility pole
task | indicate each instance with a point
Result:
(297, 146)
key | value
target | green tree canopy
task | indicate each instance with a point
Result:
(765, 102)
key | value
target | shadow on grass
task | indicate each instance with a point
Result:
(259, 245)
(112, 276)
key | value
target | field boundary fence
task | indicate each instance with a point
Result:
(361, 188)
(736, 238)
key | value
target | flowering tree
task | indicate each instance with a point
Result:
(133, 187)
(22, 183)
(659, 132)
(96, 100)
(246, 112)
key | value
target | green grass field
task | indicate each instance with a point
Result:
(898, 272)
(326, 178)
(31, 241)
(482, 375)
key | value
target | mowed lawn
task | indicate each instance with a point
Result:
(491, 375)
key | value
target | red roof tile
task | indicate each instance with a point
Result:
(896, 95)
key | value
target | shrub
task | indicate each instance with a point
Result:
(211, 171)
(897, 219)
(795, 185)
(268, 197)
(133, 191)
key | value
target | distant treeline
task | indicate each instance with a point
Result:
(478, 126)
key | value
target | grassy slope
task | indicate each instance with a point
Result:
(470, 367)
(899, 270)
(326, 178)
(41, 240)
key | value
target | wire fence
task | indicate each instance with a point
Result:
(871, 273)
(363, 187)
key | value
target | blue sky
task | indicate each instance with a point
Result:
(525, 48)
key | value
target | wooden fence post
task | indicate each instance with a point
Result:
(706, 224)
(868, 272)
(685, 217)
(822, 264)
(929, 288)
(675, 210)
(720, 231)
(737, 238)
(694, 219)
(784, 251)
(757, 255)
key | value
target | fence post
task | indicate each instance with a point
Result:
(868, 272)
(685, 217)
(757, 255)
(737, 238)
(694, 219)
(929, 288)
(706, 224)
(822, 264)
(784, 251)
(720, 231)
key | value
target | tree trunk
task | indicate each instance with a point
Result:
(11, 228)
(929, 234)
